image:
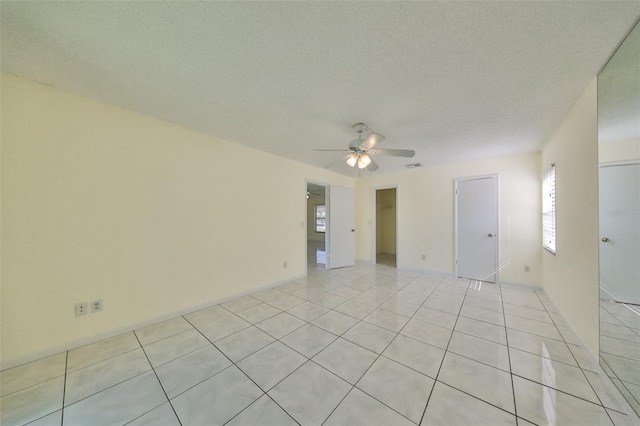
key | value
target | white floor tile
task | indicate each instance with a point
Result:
(207, 315)
(486, 383)
(244, 343)
(33, 373)
(335, 322)
(156, 332)
(307, 311)
(433, 316)
(185, 372)
(481, 350)
(32, 403)
(280, 325)
(359, 409)
(97, 377)
(263, 412)
(163, 415)
(415, 354)
(480, 314)
(391, 347)
(310, 404)
(271, 364)
(553, 374)
(399, 387)
(118, 404)
(346, 359)
(386, 319)
(173, 347)
(543, 405)
(222, 328)
(216, 400)
(370, 336)
(449, 406)
(481, 329)
(355, 309)
(241, 304)
(99, 351)
(308, 340)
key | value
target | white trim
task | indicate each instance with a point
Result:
(34, 356)
(496, 250)
(619, 163)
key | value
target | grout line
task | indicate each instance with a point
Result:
(506, 335)
(445, 351)
(64, 387)
(158, 379)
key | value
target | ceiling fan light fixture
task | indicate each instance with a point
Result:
(352, 160)
(364, 161)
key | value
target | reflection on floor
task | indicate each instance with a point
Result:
(316, 255)
(620, 348)
(388, 259)
(368, 344)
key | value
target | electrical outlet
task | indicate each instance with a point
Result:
(526, 268)
(424, 257)
(284, 264)
(81, 309)
(96, 306)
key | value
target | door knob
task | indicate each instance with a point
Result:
(353, 230)
(605, 240)
(490, 235)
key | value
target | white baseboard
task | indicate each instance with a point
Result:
(34, 356)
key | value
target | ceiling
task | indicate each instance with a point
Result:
(454, 81)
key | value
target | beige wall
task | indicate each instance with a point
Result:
(570, 277)
(103, 203)
(425, 208)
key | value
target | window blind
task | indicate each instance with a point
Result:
(549, 209)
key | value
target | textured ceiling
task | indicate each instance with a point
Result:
(455, 81)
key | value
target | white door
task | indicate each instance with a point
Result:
(342, 242)
(477, 228)
(620, 233)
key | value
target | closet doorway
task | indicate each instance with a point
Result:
(385, 227)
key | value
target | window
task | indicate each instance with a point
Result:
(320, 215)
(549, 209)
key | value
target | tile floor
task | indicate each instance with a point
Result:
(366, 345)
(620, 348)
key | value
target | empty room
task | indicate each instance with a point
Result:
(320, 213)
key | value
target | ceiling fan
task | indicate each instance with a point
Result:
(361, 150)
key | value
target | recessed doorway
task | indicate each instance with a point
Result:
(317, 226)
(385, 240)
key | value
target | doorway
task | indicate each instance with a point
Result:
(385, 238)
(476, 228)
(317, 226)
(620, 232)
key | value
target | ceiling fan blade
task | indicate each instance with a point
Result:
(372, 140)
(335, 163)
(332, 150)
(373, 166)
(394, 152)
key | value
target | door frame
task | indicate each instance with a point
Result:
(326, 221)
(496, 180)
(374, 219)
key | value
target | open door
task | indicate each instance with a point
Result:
(342, 241)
